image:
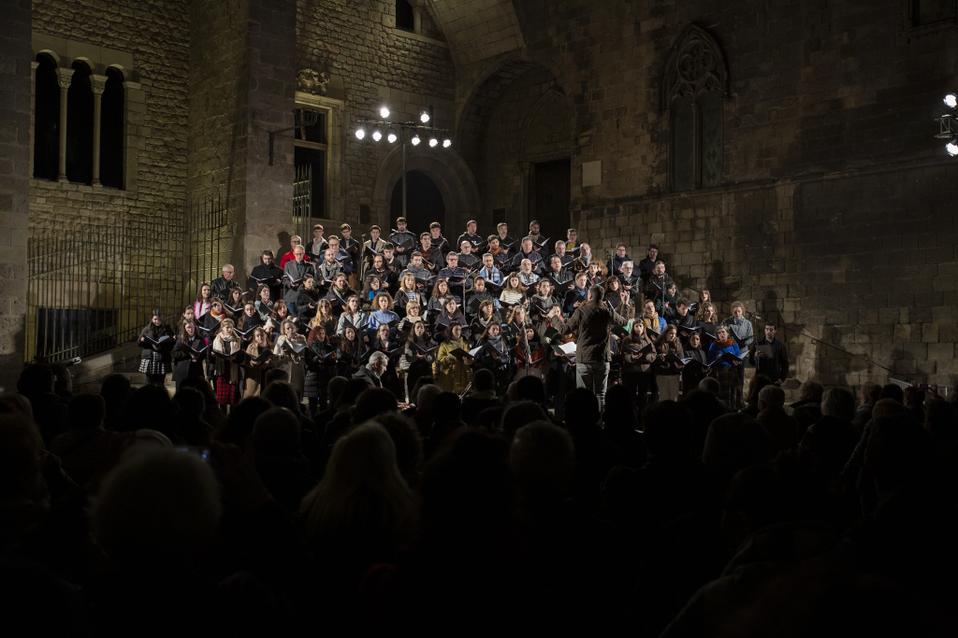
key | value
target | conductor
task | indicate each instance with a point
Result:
(592, 322)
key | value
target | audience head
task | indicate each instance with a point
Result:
(484, 380)
(811, 392)
(839, 403)
(542, 458)
(372, 402)
(241, 421)
(531, 388)
(158, 509)
(771, 397)
(276, 432)
(520, 413)
(669, 433)
(892, 391)
(282, 395)
(86, 411)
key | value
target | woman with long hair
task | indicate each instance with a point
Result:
(413, 316)
(260, 354)
(289, 351)
(668, 364)
(264, 302)
(513, 292)
(234, 303)
(650, 317)
(440, 290)
(450, 315)
(324, 317)
(156, 343)
(638, 355)
(361, 512)
(408, 292)
(349, 352)
(320, 365)
(189, 353)
(201, 305)
(495, 355)
(227, 367)
(353, 315)
(382, 313)
(486, 316)
(373, 286)
(723, 369)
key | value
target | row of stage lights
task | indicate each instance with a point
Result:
(391, 136)
(948, 125)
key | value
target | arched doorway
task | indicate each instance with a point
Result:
(424, 203)
(516, 131)
(446, 172)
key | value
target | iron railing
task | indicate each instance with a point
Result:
(302, 201)
(93, 284)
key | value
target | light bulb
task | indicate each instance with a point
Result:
(360, 133)
(377, 135)
(391, 138)
(384, 112)
(433, 142)
(952, 148)
(951, 100)
(424, 117)
(446, 143)
(415, 140)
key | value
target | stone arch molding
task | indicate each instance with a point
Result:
(696, 66)
(445, 168)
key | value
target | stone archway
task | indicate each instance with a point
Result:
(451, 175)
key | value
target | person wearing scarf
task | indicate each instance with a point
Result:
(725, 371)
(227, 370)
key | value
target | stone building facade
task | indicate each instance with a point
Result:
(780, 155)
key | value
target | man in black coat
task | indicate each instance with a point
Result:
(374, 370)
(769, 356)
(221, 286)
(268, 274)
(592, 322)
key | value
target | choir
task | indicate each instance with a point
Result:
(435, 308)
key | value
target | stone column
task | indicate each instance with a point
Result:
(15, 171)
(98, 82)
(64, 76)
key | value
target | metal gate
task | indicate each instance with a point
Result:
(93, 284)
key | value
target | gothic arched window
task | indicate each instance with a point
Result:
(694, 88)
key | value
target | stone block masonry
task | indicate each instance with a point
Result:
(14, 184)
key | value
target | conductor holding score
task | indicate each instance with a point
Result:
(592, 322)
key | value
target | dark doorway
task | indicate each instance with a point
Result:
(424, 203)
(549, 186)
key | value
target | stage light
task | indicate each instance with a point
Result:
(446, 143)
(433, 142)
(391, 137)
(951, 100)
(377, 135)
(384, 112)
(415, 140)
(952, 148)
(360, 133)
(424, 117)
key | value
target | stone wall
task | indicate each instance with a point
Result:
(836, 211)
(14, 184)
(150, 38)
(156, 34)
(374, 63)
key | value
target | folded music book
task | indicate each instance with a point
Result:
(295, 346)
